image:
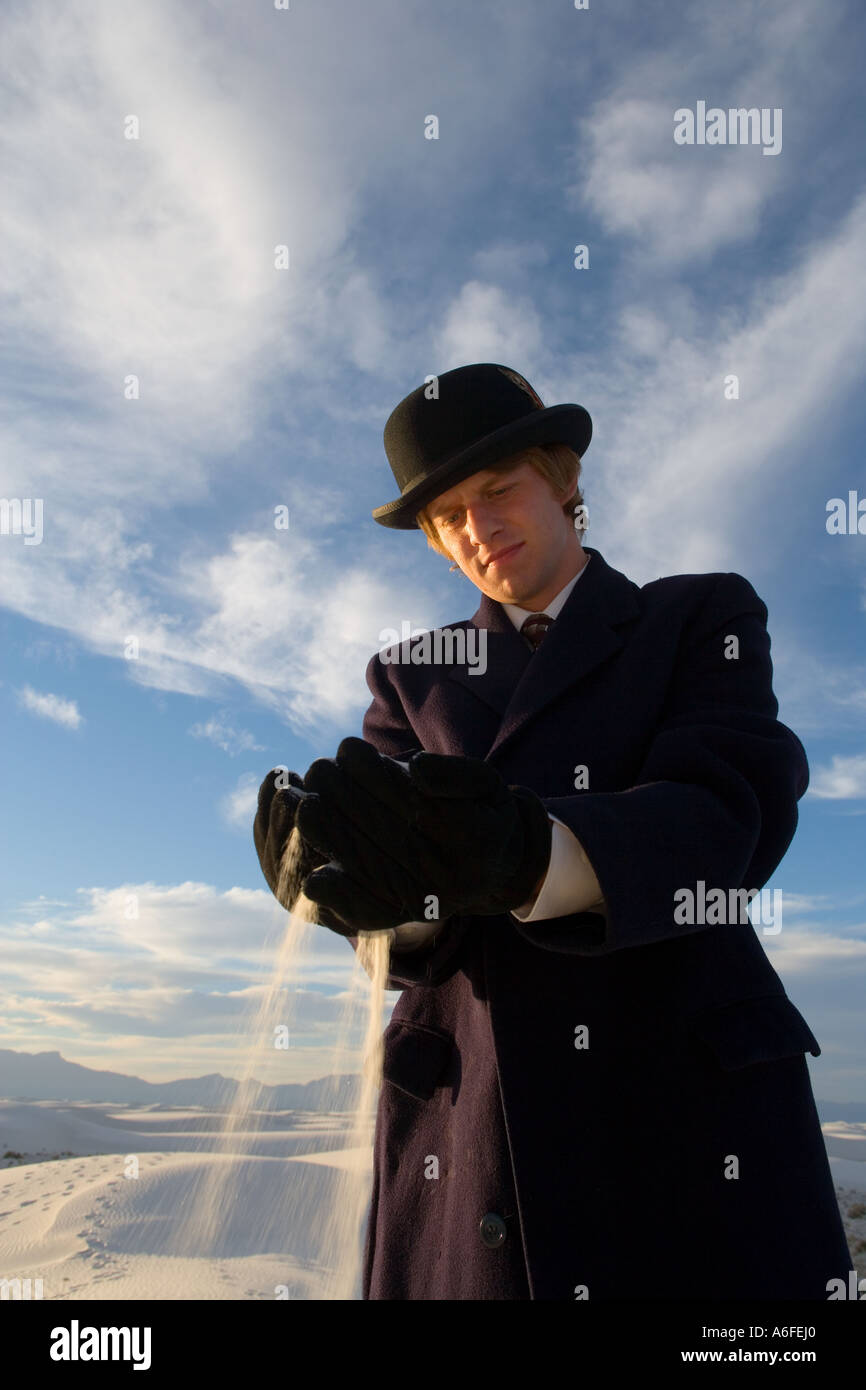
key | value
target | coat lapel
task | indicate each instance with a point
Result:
(518, 684)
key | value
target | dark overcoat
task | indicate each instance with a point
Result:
(579, 1108)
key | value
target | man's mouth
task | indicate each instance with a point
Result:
(498, 556)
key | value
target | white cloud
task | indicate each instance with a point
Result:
(159, 262)
(483, 323)
(824, 974)
(166, 261)
(681, 203)
(270, 614)
(814, 682)
(844, 779)
(159, 259)
(264, 610)
(231, 741)
(818, 952)
(239, 806)
(801, 903)
(678, 471)
(151, 978)
(53, 707)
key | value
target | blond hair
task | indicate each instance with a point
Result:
(558, 463)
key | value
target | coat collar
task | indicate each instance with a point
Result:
(518, 684)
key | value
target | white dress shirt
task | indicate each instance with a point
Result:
(570, 884)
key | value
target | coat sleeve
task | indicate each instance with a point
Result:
(388, 729)
(715, 798)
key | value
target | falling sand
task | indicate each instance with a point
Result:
(337, 1222)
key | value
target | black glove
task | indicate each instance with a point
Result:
(276, 817)
(273, 825)
(446, 827)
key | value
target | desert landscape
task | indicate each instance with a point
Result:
(100, 1200)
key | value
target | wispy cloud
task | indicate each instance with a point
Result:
(484, 323)
(675, 458)
(844, 779)
(822, 689)
(238, 808)
(684, 204)
(260, 387)
(168, 272)
(175, 969)
(681, 203)
(53, 707)
(230, 740)
(819, 952)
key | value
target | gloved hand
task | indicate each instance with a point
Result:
(447, 827)
(273, 825)
(275, 820)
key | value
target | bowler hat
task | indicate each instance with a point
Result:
(462, 422)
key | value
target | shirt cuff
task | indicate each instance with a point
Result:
(570, 884)
(410, 935)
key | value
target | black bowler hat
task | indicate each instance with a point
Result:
(479, 415)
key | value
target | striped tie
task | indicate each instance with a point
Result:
(535, 627)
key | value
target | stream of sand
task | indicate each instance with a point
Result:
(337, 1223)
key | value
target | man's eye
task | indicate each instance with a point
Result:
(454, 517)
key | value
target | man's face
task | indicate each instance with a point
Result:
(509, 535)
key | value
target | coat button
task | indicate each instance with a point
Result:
(492, 1229)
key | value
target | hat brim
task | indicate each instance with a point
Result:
(555, 424)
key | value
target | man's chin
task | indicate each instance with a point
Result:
(504, 592)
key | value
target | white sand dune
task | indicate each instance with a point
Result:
(845, 1141)
(88, 1231)
(51, 1128)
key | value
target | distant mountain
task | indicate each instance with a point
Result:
(48, 1076)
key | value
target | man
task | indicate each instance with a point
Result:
(594, 1085)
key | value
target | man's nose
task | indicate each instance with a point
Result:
(481, 523)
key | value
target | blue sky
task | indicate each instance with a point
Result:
(154, 258)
